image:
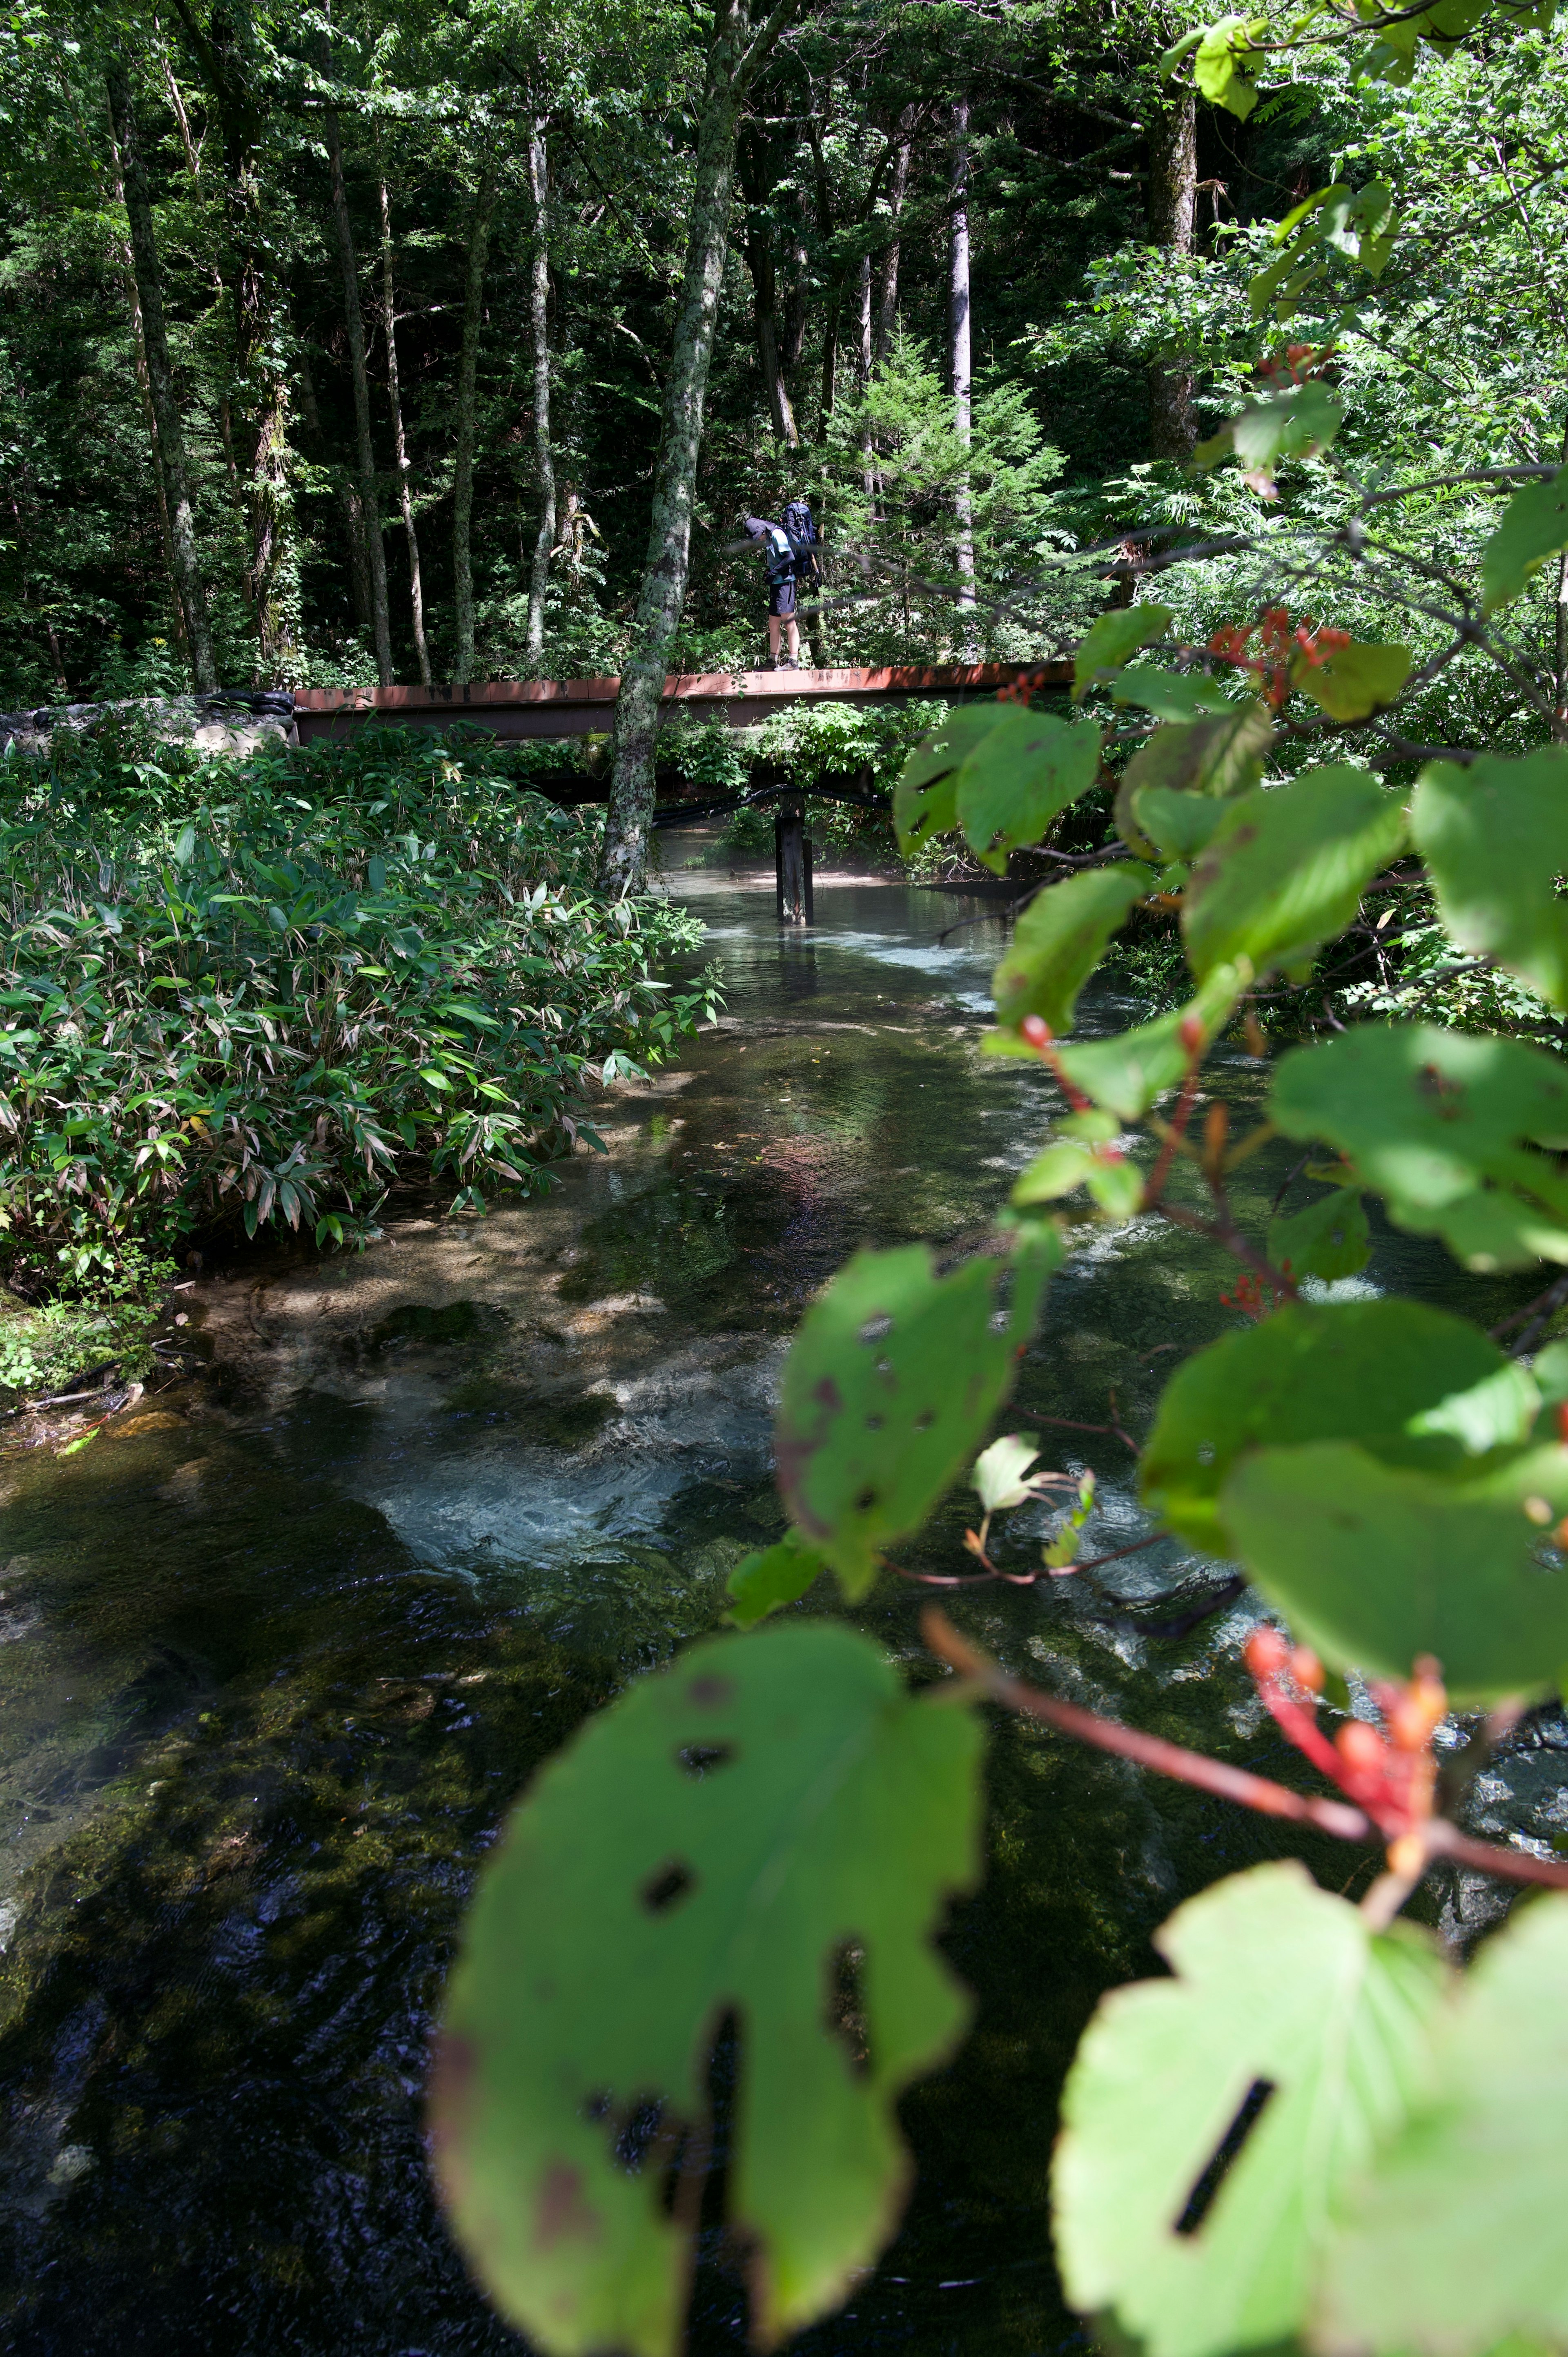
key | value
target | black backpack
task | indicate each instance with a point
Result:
(802, 526)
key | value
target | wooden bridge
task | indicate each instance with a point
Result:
(545, 708)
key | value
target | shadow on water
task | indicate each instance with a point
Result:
(275, 1661)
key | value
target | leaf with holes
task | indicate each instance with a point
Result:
(1288, 2040)
(1374, 1563)
(1126, 1072)
(777, 1575)
(1356, 682)
(1330, 1239)
(1020, 775)
(1061, 938)
(1456, 1132)
(1222, 755)
(765, 1834)
(1111, 638)
(1285, 869)
(1227, 60)
(1495, 839)
(1534, 528)
(923, 797)
(889, 1387)
(1412, 1385)
(1451, 2244)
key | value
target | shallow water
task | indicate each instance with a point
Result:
(275, 1660)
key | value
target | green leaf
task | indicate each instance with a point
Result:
(1534, 528)
(1126, 1072)
(1447, 1127)
(1111, 638)
(714, 1846)
(1001, 1473)
(1329, 1240)
(1180, 824)
(1115, 1183)
(1276, 1982)
(1285, 869)
(1020, 775)
(777, 1575)
(892, 1380)
(1356, 682)
(1495, 838)
(1292, 425)
(376, 873)
(1171, 694)
(1220, 756)
(1226, 63)
(1374, 1564)
(1413, 1385)
(1061, 938)
(1452, 2241)
(923, 797)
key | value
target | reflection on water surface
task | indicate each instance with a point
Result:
(273, 1668)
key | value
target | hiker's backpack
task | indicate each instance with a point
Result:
(802, 526)
(780, 553)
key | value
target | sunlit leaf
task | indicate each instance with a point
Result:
(1111, 637)
(1330, 1239)
(1448, 1127)
(1280, 1991)
(1021, 775)
(1001, 1473)
(1452, 2242)
(1178, 824)
(923, 797)
(1374, 1563)
(773, 1575)
(1534, 527)
(1126, 1072)
(1059, 939)
(1285, 869)
(1413, 1385)
(1222, 755)
(1495, 839)
(889, 1389)
(1292, 425)
(1357, 680)
(1226, 61)
(1171, 694)
(765, 1833)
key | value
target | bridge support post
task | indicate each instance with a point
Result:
(793, 862)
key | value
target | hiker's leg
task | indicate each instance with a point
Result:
(793, 628)
(775, 625)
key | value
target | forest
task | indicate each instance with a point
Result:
(833, 1614)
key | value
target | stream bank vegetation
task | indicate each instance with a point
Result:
(255, 991)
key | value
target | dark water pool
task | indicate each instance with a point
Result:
(274, 1662)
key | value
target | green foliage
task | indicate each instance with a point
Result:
(777, 1575)
(893, 1379)
(253, 986)
(1274, 1981)
(1285, 870)
(1126, 1072)
(765, 1833)
(1118, 634)
(1356, 681)
(1001, 773)
(1061, 938)
(1495, 839)
(1534, 526)
(1330, 1239)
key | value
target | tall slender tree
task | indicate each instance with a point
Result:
(538, 324)
(354, 328)
(400, 441)
(480, 217)
(963, 374)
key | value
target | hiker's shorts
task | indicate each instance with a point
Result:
(781, 596)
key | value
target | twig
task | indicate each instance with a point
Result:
(1018, 1578)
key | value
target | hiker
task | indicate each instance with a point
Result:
(790, 557)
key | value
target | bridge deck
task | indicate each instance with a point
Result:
(582, 707)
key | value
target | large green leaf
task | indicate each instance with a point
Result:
(1221, 755)
(777, 1575)
(1021, 775)
(1276, 1985)
(1108, 640)
(1412, 1385)
(923, 799)
(765, 1831)
(889, 1389)
(1453, 2243)
(1285, 870)
(1358, 680)
(1178, 824)
(1171, 694)
(1294, 425)
(1227, 60)
(1330, 1239)
(1126, 1072)
(1495, 839)
(1534, 527)
(1374, 1563)
(1061, 938)
(1446, 1127)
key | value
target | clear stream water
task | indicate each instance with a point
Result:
(277, 1653)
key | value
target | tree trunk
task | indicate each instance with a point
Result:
(539, 321)
(730, 65)
(1172, 216)
(959, 323)
(169, 453)
(756, 183)
(887, 274)
(353, 319)
(462, 469)
(144, 387)
(399, 446)
(351, 513)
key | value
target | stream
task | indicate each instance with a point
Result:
(279, 1647)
